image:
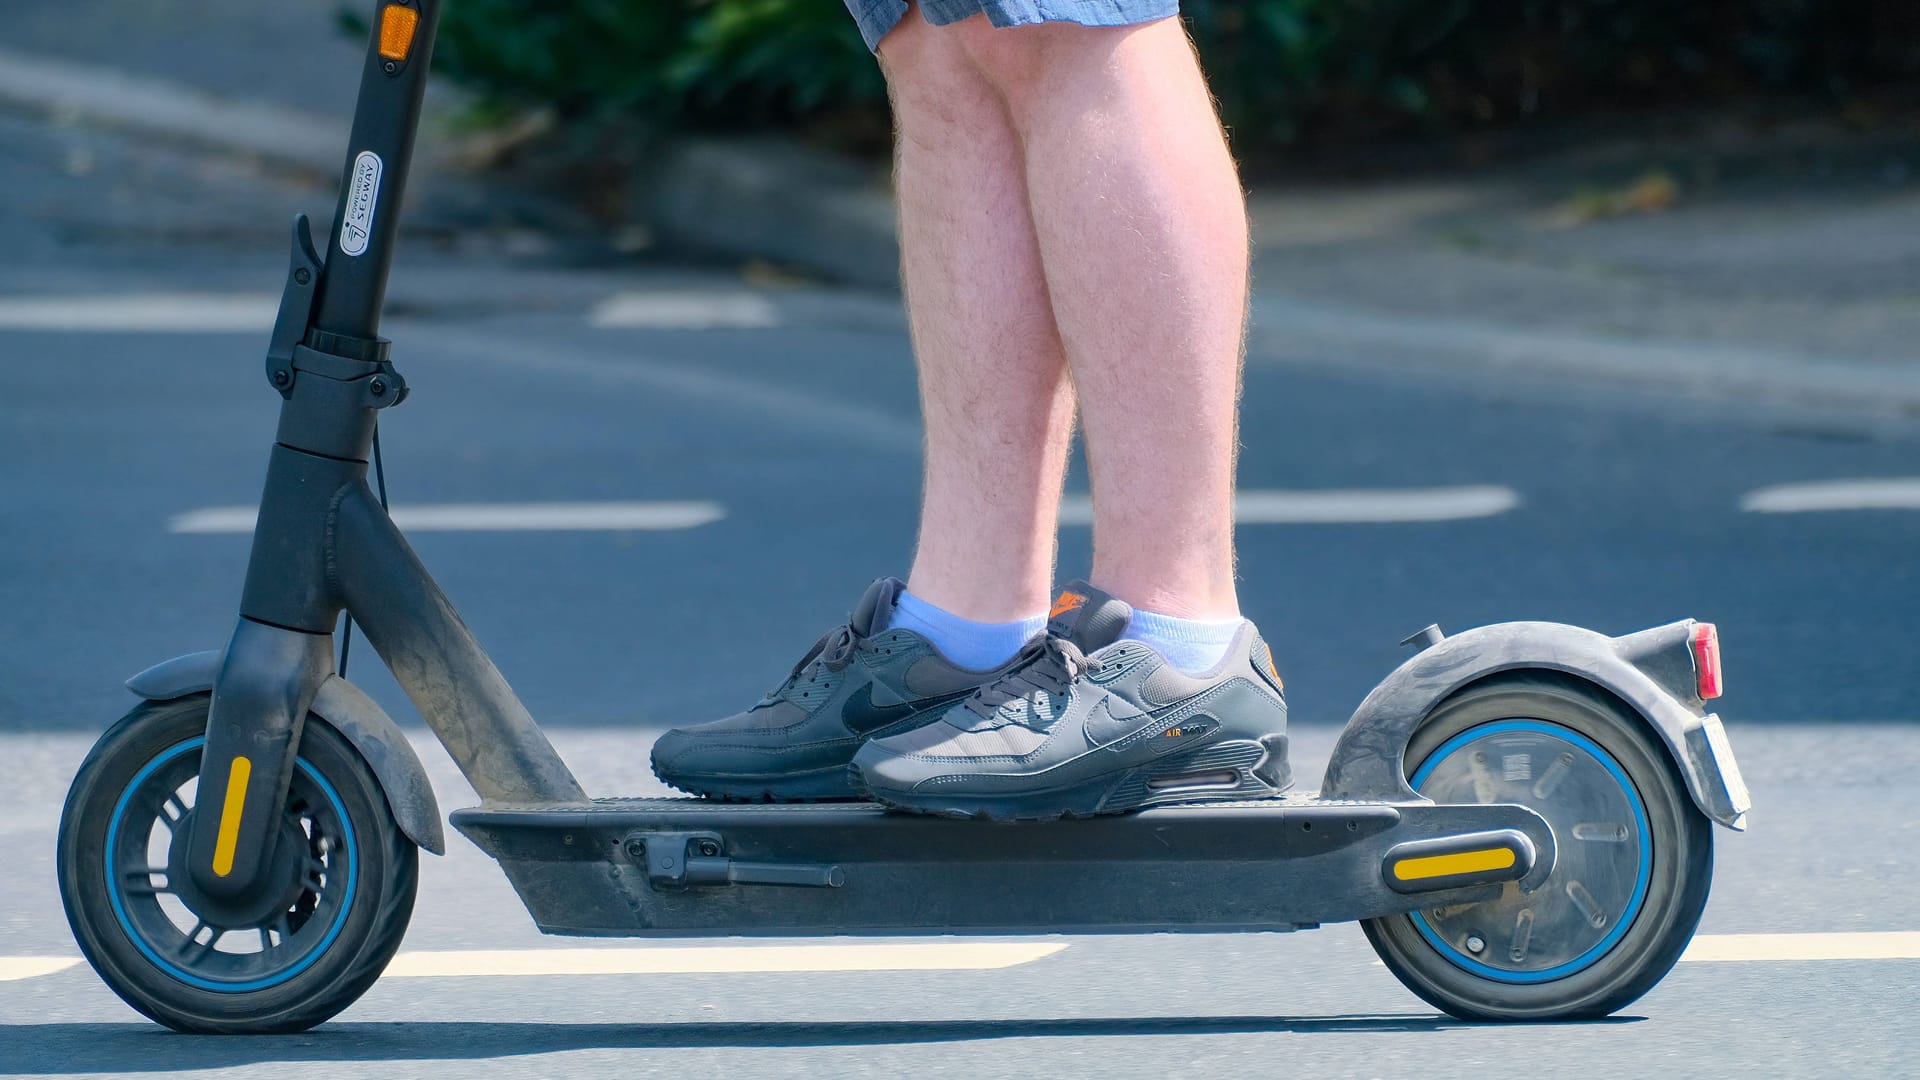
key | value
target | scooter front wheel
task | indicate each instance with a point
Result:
(294, 952)
(1633, 864)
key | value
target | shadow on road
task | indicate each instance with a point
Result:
(44, 1049)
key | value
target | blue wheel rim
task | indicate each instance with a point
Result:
(293, 970)
(1642, 879)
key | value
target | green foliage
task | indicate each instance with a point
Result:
(774, 59)
(1330, 69)
(1285, 70)
(704, 63)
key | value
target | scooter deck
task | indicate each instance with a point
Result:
(682, 866)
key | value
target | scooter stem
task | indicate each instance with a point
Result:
(328, 363)
(385, 122)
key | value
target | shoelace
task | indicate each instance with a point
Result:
(1046, 663)
(833, 651)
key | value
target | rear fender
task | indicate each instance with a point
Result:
(1643, 670)
(346, 709)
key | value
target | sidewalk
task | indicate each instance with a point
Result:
(1786, 271)
(1793, 277)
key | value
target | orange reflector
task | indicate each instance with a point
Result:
(397, 25)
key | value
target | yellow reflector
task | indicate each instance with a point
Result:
(1465, 862)
(230, 816)
(396, 31)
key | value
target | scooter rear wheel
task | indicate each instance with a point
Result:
(302, 947)
(1633, 865)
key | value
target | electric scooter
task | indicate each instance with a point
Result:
(1520, 816)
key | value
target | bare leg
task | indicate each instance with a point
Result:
(993, 380)
(1143, 235)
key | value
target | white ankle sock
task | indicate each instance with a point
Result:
(1191, 645)
(976, 646)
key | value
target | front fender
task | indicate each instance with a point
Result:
(1369, 760)
(348, 710)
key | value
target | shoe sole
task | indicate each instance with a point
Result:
(831, 784)
(1234, 771)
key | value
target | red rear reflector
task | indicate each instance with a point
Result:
(1706, 660)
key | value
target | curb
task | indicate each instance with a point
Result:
(307, 145)
(112, 98)
(1335, 336)
(772, 198)
(776, 199)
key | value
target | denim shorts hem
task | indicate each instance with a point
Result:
(877, 17)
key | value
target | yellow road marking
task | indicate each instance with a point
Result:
(953, 956)
(1898, 945)
(686, 960)
(1464, 862)
(230, 816)
(30, 967)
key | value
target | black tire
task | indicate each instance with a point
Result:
(349, 878)
(1671, 891)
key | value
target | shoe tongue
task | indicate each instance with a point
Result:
(875, 610)
(1088, 617)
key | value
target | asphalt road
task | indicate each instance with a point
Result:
(805, 435)
(795, 419)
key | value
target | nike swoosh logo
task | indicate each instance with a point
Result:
(1102, 727)
(861, 715)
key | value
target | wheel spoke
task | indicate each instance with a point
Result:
(1593, 893)
(172, 811)
(139, 880)
(193, 948)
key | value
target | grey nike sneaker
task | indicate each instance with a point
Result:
(1087, 723)
(859, 681)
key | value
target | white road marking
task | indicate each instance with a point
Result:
(1350, 506)
(1889, 493)
(171, 313)
(31, 967)
(493, 517)
(1898, 945)
(824, 417)
(685, 960)
(685, 311)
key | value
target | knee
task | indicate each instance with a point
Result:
(1023, 61)
(1011, 57)
(941, 68)
(924, 63)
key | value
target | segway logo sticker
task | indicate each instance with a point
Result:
(363, 196)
